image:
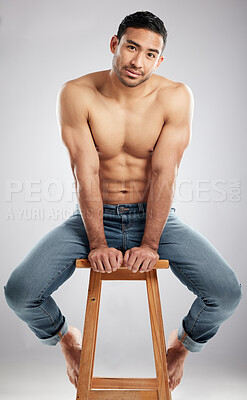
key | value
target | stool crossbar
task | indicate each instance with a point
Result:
(99, 388)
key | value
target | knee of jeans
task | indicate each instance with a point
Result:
(230, 296)
(15, 293)
(237, 294)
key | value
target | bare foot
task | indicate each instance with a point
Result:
(175, 357)
(71, 347)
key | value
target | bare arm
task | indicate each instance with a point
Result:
(173, 141)
(76, 135)
(72, 110)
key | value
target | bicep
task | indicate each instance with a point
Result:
(75, 132)
(175, 135)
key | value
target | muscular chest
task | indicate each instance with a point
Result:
(133, 129)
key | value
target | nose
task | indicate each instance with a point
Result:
(137, 61)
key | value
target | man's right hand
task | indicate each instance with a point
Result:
(105, 259)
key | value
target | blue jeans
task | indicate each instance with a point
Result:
(193, 259)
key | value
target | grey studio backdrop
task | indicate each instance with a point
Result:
(43, 45)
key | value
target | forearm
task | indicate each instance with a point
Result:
(158, 207)
(91, 207)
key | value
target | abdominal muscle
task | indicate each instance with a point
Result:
(132, 188)
(131, 192)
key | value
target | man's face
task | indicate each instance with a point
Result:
(137, 55)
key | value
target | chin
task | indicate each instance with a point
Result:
(132, 82)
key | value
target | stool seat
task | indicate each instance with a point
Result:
(100, 388)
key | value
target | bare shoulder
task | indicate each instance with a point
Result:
(88, 82)
(172, 89)
(80, 93)
(177, 97)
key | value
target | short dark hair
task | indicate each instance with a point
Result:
(145, 20)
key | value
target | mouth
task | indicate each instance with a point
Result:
(132, 73)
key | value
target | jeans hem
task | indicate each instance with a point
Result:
(52, 341)
(189, 343)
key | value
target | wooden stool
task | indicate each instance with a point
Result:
(95, 388)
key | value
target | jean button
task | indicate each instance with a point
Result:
(121, 209)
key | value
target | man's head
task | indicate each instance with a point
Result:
(144, 20)
(138, 47)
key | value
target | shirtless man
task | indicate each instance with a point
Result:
(126, 130)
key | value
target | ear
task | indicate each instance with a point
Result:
(113, 43)
(159, 62)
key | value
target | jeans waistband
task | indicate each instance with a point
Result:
(119, 209)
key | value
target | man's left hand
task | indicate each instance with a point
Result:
(141, 258)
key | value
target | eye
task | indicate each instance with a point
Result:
(131, 47)
(151, 55)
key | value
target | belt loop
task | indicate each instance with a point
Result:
(120, 209)
(141, 208)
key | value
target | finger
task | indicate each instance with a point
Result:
(137, 264)
(116, 261)
(145, 266)
(94, 266)
(126, 257)
(113, 262)
(131, 261)
(120, 259)
(100, 266)
(151, 265)
(107, 265)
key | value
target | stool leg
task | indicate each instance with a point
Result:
(158, 336)
(89, 336)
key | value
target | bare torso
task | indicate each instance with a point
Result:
(125, 134)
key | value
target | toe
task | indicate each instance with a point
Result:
(171, 384)
(177, 382)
